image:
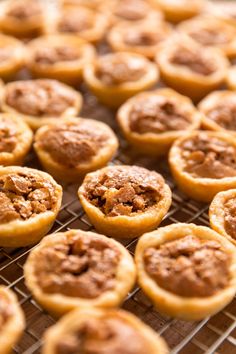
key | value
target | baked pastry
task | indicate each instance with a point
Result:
(152, 121)
(188, 271)
(146, 38)
(179, 10)
(125, 201)
(231, 78)
(191, 69)
(81, 269)
(12, 321)
(15, 139)
(210, 31)
(219, 111)
(204, 163)
(61, 57)
(29, 203)
(115, 77)
(222, 214)
(225, 11)
(71, 148)
(111, 331)
(12, 56)
(41, 101)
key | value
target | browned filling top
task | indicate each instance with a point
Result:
(104, 335)
(196, 61)
(5, 310)
(211, 36)
(82, 267)
(73, 143)
(46, 55)
(189, 267)
(230, 217)
(141, 36)
(157, 114)
(224, 113)
(76, 21)
(24, 10)
(116, 69)
(132, 10)
(40, 98)
(24, 195)
(8, 135)
(209, 157)
(124, 191)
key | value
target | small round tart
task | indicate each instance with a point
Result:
(70, 149)
(115, 77)
(213, 32)
(12, 321)
(125, 201)
(152, 121)
(219, 111)
(145, 39)
(76, 268)
(179, 10)
(102, 331)
(222, 214)
(41, 101)
(15, 139)
(190, 68)
(188, 271)
(29, 203)
(61, 57)
(204, 163)
(231, 78)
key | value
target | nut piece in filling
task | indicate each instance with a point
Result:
(187, 270)
(12, 320)
(125, 201)
(115, 77)
(29, 203)
(152, 121)
(61, 57)
(75, 147)
(102, 331)
(204, 164)
(191, 69)
(41, 101)
(83, 268)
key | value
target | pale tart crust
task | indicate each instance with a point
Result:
(19, 233)
(185, 308)
(69, 72)
(74, 319)
(200, 189)
(36, 122)
(124, 226)
(217, 214)
(155, 144)
(113, 96)
(15, 325)
(69, 174)
(58, 304)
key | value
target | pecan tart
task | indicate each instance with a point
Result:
(61, 57)
(70, 149)
(204, 163)
(12, 321)
(152, 121)
(231, 78)
(188, 271)
(77, 269)
(190, 68)
(41, 101)
(219, 111)
(102, 331)
(15, 139)
(125, 201)
(29, 203)
(115, 77)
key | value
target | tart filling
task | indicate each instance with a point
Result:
(24, 10)
(76, 21)
(211, 36)
(45, 56)
(143, 36)
(230, 217)
(8, 135)
(132, 10)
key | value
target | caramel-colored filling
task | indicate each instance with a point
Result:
(143, 37)
(210, 36)
(189, 267)
(122, 191)
(39, 98)
(104, 335)
(51, 55)
(76, 21)
(23, 196)
(24, 10)
(209, 157)
(5, 311)
(82, 267)
(157, 114)
(224, 114)
(8, 135)
(132, 10)
(230, 217)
